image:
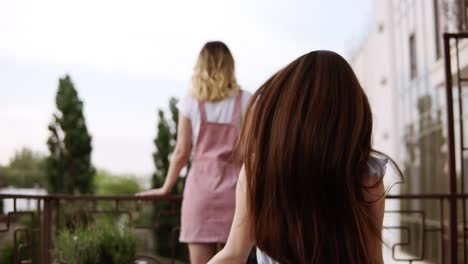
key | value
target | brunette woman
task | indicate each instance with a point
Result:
(311, 188)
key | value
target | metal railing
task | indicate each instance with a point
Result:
(426, 229)
(33, 243)
(415, 226)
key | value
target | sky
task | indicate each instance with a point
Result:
(127, 58)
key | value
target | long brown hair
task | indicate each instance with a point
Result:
(306, 142)
(214, 77)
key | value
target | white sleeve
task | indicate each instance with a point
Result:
(185, 106)
(376, 166)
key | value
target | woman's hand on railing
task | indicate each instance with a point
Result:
(153, 192)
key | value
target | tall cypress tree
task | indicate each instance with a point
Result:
(69, 167)
(165, 143)
(163, 149)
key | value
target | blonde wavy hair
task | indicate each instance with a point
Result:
(214, 76)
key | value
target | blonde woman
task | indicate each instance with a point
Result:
(209, 119)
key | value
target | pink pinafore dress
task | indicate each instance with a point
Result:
(209, 194)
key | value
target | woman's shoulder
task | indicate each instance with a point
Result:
(187, 104)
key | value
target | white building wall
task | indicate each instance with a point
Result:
(403, 104)
(374, 65)
(383, 68)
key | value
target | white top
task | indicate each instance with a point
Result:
(218, 112)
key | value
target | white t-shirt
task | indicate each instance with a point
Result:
(218, 112)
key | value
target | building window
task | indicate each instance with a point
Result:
(381, 28)
(383, 81)
(437, 29)
(412, 56)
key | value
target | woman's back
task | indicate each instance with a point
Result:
(216, 112)
(209, 125)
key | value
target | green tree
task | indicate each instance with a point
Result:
(164, 146)
(69, 167)
(164, 143)
(3, 180)
(107, 184)
(7, 252)
(2, 183)
(26, 170)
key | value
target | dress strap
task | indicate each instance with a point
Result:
(236, 113)
(201, 108)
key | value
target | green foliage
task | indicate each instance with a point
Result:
(30, 223)
(26, 170)
(78, 246)
(69, 167)
(2, 183)
(6, 252)
(165, 143)
(108, 184)
(27, 221)
(2, 176)
(117, 245)
(164, 146)
(101, 242)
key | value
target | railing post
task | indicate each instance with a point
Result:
(451, 153)
(46, 231)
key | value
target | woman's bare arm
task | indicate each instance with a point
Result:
(179, 159)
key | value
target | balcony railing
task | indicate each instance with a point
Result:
(421, 230)
(33, 242)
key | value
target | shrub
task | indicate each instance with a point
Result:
(100, 242)
(117, 245)
(6, 253)
(77, 247)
